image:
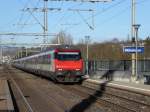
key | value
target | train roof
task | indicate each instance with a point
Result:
(35, 55)
(62, 47)
(51, 49)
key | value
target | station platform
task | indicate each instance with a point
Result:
(136, 87)
(6, 103)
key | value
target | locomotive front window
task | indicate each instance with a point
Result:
(68, 55)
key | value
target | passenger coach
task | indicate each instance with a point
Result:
(60, 64)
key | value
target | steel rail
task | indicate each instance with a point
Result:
(135, 101)
(123, 97)
(105, 100)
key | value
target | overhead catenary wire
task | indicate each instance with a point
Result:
(34, 17)
(112, 6)
(22, 14)
(91, 27)
(123, 11)
(142, 1)
(25, 22)
(116, 15)
(62, 17)
(108, 8)
(104, 10)
(12, 21)
(85, 20)
(120, 11)
(8, 23)
(82, 17)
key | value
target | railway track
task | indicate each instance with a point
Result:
(113, 99)
(36, 90)
(87, 97)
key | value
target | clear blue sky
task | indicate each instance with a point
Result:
(111, 19)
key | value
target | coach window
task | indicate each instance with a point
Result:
(27, 61)
(49, 59)
(44, 59)
(40, 60)
(30, 61)
(35, 60)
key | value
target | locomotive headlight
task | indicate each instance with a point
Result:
(77, 69)
(60, 69)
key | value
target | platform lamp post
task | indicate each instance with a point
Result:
(136, 27)
(87, 54)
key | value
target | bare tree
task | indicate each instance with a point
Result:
(62, 38)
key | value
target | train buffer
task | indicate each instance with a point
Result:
(6, 103)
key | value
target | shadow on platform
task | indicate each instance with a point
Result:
(86, 103)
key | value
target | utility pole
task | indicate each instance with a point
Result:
(133, 40)
(87, 54)
(136, 27)
(45, 10)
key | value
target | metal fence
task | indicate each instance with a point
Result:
(116, 65)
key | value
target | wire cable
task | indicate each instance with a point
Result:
(22, 14)
(31, 13)
(37, 4)
(63, 17)
(103, 11)
(85, 21)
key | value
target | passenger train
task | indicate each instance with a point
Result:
(61, 64)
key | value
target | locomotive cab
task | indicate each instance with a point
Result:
(68, 65)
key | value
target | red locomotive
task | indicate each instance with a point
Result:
(60, 64)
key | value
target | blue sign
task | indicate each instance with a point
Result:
(132, 49)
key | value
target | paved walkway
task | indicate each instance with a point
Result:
(125, 85)
(5, 97)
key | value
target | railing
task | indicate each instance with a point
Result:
(116, 65)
